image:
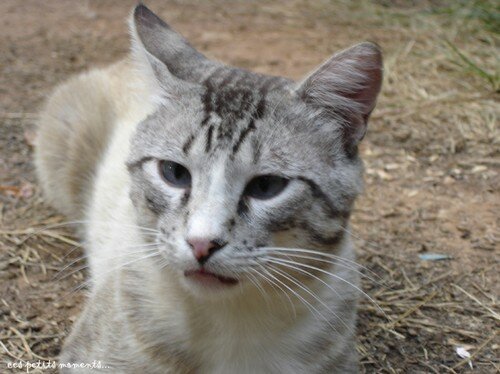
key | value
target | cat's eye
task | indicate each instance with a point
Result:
(265, 187)
(175, 174)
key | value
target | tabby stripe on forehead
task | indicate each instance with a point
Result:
(243, 135)
(208, 144)
(258, 113)
(207, 102)
(217, 96)
(261, 106)
(208, 96)
(187, 145)
(229, 78)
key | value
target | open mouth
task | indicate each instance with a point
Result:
(209, 278)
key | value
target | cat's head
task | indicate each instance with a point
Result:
(238, 169)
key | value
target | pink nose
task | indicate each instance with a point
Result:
(204, 248)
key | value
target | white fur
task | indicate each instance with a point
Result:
(234, 331)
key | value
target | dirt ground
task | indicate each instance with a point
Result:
(432, 162)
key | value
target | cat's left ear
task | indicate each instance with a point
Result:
(345, 88)
(160, 50)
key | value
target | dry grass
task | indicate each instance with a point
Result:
(432, 158)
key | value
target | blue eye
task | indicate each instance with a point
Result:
(175, 174)
(265, 187)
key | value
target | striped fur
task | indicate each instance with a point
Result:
(98, 157)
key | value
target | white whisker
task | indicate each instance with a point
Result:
(332, 262)
(313, 276)
(316, 297)
(120, 266)
(272, 282)
(328, 255)
(311, 308)
(56, 276)
(339, 278)
(122, 255)
(255, 281)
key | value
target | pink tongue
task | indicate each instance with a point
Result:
(202, 272)
(226, 280)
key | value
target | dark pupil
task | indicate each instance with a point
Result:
(179, 172)
(265, 187)
(176, 174)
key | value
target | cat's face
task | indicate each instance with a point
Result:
(236, 169)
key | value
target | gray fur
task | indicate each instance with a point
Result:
(226, 126)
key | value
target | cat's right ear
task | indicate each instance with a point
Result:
(159, 50)
(345, 88)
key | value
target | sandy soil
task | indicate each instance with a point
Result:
(432, 162)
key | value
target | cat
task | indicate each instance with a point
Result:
(215, 205)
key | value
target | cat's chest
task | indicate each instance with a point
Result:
(228, 348)
(245, 356)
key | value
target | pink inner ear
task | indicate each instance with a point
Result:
(358, 73)
(367, 94)
(347, 86)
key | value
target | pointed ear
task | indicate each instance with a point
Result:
(345, 88)
(154, 43)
